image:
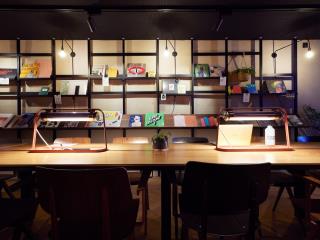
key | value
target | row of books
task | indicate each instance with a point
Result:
(114, 119)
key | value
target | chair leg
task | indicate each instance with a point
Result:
(175, 209)
(144, 209)
(278, 198)
(291, 196)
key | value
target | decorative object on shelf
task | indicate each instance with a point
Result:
(216, 71)
(5, 119)
(151, 74)
(136, 70)
(97, 70)
(236, 89)
(65, 115)
(44, 91)
(201, 70)
(154, 119)
(160, 141)
(112, 72)
(135, 121)
(237, 137)
(240, 74)
(30, 70)
(276, 86)
(251, 88)
(72, 87)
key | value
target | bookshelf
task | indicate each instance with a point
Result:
(123, 82)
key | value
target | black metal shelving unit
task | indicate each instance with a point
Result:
(124, 81)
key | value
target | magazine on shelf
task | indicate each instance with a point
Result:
(201, 70)
(6, 74)
(135, 121)
(113, 118)
(179, 121)
(24, 121)
(276, 86)
(97, 70)
(136, 70)
(154, 119)
(5, 119)
(72, 87)
(191, 120)
(30, 70)
(208, 121)
(45, 67)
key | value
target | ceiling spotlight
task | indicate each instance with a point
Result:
(91, 24)
(62, 53)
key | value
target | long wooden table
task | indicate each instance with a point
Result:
(142, 156)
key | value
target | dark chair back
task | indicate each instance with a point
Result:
(189, 140)
(213, 189)
(87, 204)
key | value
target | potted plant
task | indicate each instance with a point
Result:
(160, 141)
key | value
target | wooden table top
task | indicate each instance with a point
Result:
(142, 155)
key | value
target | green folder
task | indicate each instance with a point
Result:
(154, 120)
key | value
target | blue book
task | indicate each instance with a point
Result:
(135, 121)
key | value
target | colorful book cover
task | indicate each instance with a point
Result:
(136, 70)
(135, 121)
(276, 86)
(8, 73)
(154, 120)
(191, 121)
(30, 70)
(113, 118)
(25, 120)
(201, 70)
(112, 72)
(45, 68)
(5, 118)
(97, 70)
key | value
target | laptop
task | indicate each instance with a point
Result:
(234, 135)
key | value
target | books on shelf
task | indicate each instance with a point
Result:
(136, 70)
(154, 119)
(191, 121)
(179, 121)
(113, 118)
(45, 67)
(135, 121)
(72, 87)
(112, 72)
(5, 119)
(24, 121)
(276, 86)
(30, 70)
(216, 70)
(201, 70)
(6, 74)
(208, 121)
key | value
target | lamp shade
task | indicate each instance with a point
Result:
(68, 116)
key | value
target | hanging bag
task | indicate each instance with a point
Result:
(237, 76)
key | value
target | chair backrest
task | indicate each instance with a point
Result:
(223, 189)
(133, 140)
(87, 204)
(189, 140)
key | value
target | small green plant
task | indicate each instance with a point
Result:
(161, 136)
(249, 70)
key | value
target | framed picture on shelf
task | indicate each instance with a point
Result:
(276, 86)
(201, 70)
(136, 70)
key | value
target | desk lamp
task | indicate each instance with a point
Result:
(74, 115)
(235, 117)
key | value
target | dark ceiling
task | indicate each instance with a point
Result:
(149, 19)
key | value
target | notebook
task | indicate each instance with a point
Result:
(236, 135)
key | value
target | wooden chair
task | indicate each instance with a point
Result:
(222, 199)
(17, 214)
(87, 204)
(138, 178)
(178, 178)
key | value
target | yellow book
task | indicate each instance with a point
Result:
(30, 70)
(112, 72)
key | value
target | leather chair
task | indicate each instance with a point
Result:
(138, 178)
(178, 178)
(223, 199)
(87, 204)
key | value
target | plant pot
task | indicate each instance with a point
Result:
(160, 144)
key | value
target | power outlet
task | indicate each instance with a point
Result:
(163, 97)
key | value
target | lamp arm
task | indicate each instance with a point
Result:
(286, 46)
(174, 49)
(68, 45)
